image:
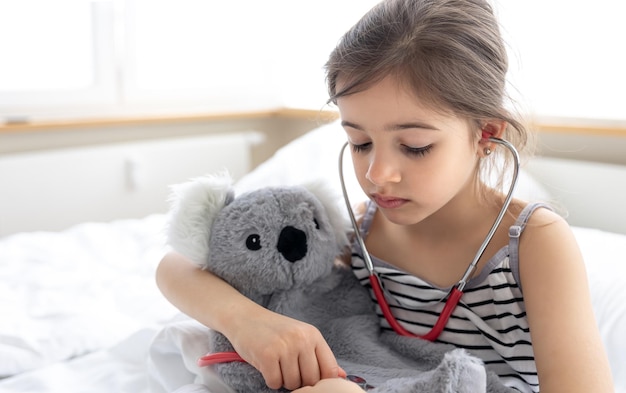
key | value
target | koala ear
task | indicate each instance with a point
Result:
(193, 208)
(330, 200)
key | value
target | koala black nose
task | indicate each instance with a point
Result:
(292, 244)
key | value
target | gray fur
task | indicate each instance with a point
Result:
(311, 287)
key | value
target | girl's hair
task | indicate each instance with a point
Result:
(449, 53)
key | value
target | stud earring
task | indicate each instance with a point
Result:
(487, 151)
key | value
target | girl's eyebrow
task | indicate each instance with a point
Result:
(345, 123)
(394, 127)
(410, 125)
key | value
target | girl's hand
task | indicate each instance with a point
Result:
(335, 385)
(289, 353)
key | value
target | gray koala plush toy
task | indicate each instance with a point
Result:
(279, 246)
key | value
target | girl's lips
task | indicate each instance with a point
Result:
(388, 202)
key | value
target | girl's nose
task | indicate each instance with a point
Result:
(382, 169)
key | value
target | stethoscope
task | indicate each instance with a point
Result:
(456, 292)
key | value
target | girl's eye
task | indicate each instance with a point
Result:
(360, 148)
(418, 151)
(414, 151)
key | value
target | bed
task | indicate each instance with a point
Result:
(79, 308)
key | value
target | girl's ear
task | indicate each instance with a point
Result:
(490, 128)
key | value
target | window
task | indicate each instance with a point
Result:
(99, 57)
(206, 54)
(55, 54)
(66, 49)
(568, 59)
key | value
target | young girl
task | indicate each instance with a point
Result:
(420, 86)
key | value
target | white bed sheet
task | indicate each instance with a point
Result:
(79, 308)
(70, 293)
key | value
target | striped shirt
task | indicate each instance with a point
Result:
(490, 319)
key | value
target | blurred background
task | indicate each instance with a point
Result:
(76, 58)
(103, 103)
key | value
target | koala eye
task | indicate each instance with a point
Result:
(253, 242)
(317, 224)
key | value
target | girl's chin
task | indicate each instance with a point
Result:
(404, 217)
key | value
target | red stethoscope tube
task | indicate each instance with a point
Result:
(219, 357)
(453, 299)
(227, 357)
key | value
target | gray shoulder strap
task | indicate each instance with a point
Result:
(515, 231)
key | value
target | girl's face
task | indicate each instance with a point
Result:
(409, 159)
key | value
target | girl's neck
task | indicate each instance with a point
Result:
(463, 214)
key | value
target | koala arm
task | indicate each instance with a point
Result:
(286, 351)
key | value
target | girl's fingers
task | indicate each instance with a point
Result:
(327, 363)
(288, 353)
(291, 374)
(272, 374)
(309, 368)
(302, 368)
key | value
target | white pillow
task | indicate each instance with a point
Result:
(310, 158)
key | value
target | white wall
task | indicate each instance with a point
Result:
(592, 194)
(51, 190)
(602, 148)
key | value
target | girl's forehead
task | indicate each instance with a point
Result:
(390, 102)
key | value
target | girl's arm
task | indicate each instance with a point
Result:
(287, 352)
(569, 353)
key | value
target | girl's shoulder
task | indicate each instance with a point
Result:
(543, 221)
(536, 216)
(557, 300)
(547, 241)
